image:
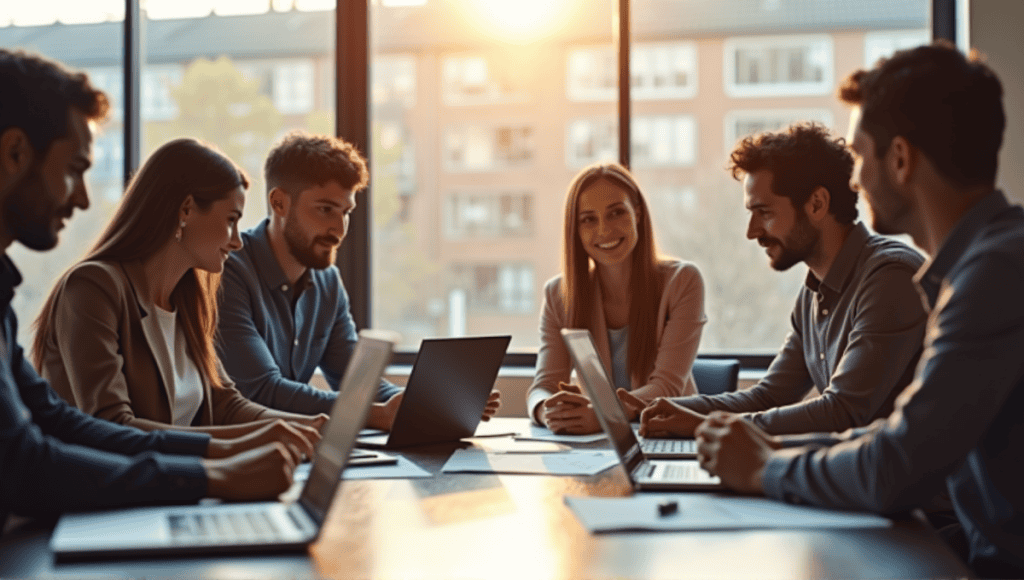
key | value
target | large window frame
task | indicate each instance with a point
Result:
(352, 119)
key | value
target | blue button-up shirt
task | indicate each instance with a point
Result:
(271, 348)
(960, 423)
(42, 472)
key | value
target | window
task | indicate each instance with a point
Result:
(878, 44)
(776, 66)
(394, 79)
(483, 148)
(740, 123)
(108, 158)
(158, 83)
(591, 141)
(110, 80)
(668, 140)
(658, 70)
(502, 288)
(487, 215)
(469, 79)
(293, 87)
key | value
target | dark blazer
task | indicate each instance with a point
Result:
(106, 355)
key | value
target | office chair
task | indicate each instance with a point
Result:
(716, 375)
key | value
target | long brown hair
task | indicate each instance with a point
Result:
(645, 279)
(146, 219)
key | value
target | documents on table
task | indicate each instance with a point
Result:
(403, 469)
(544, 434)
(695, 512)
(575, 462)
(510, 445)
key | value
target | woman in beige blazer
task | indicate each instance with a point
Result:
(645, 313)
(127, 333)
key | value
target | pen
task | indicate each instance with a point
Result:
(667, 507)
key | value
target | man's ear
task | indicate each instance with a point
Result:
(818, 203)
(16, 152)
(901, 159)
(279, 201)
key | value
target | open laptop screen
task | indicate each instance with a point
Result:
(358, 387)
(602, 396)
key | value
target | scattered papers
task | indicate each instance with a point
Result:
(544, 434)
(696, 512)
(576, 462)
(510, 445)
(404, 469)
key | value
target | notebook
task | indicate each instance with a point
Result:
(447, 391)
(240, 527)
(644, 472)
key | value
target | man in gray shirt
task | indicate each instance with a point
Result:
(858, 321)
(926, 128)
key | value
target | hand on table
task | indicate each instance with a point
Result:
(735, 450)
(568, 412)
(296, 438)
(261, 473)
(493, 404)
(382, 415)
(665, 418)
(631, 404)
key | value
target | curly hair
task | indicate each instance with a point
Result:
(801, 158)
(301, 160)
(36, 95)
(946, 104)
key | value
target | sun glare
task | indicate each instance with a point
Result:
(520, 21)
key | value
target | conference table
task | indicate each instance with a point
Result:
(517, 526)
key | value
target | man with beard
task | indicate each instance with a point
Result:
(283, 309)
(53, 457)
(926, 127)
(858, 320)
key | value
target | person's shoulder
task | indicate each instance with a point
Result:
(553, 284)
(674, 270)
(327, 279)
(1003, 237)
(244, 259)
(102, 272)
(883, 250)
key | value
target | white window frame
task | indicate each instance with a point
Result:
(490, 131)
(784, 116)
(492, 92)
(879, 43)
(387, 69)
(786, 89)
(602, 123)
(491, 202)
(680, 127)
(604, 53)
(294, 86)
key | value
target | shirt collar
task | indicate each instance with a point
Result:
(929, 277)
(266, 263)
(10, 278)
(846, 260)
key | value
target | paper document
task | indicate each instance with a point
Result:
(544, 434)
(695, 512)
(577, 462)
(510, 445)
(404, 469)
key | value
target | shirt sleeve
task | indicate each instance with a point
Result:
(880, 356)
(553, 362)
(247, 357)
(971, 367)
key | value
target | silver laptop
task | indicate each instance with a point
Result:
(447, 391)
(643, 472)
(240, 527)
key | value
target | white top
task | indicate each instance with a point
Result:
(187, 391)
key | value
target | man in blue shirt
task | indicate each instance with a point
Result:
(925, 130)
(283, 308)
(53, 457)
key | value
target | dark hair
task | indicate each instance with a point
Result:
(801, 158)
(645, 278)
(146, 219)
(301, 160)
(945, 104)
(36, 95)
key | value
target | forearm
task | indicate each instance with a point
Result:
(826, 413)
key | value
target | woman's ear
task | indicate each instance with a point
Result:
(187, 207)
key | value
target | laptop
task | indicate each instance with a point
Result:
(643, 471)
(447, 391)
(240, 527)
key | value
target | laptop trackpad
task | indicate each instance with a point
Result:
(144, 527)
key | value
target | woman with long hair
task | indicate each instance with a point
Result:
(127, 333)
(645, 312)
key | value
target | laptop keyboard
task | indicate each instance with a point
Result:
(688, 446)
(686, 471)
(234, 526)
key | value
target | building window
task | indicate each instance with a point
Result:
(110, 80)
(591, 141)
(739, 124)
(394, 79)
(498, 288)
(778, 66)
(483, 148)
(108, 157)
(884, 43)
(293, 87)
(471, 215)
(470, 79)
(664, 141)
(658, 71)
(157, 83)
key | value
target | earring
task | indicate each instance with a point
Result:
(181, 228)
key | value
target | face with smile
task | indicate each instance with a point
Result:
(783, 230)
(52, 187)
(317, 222)
(210, 235)
(889, 210)
(606, 221)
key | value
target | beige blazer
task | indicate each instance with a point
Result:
(107, 357)
(681, 319)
